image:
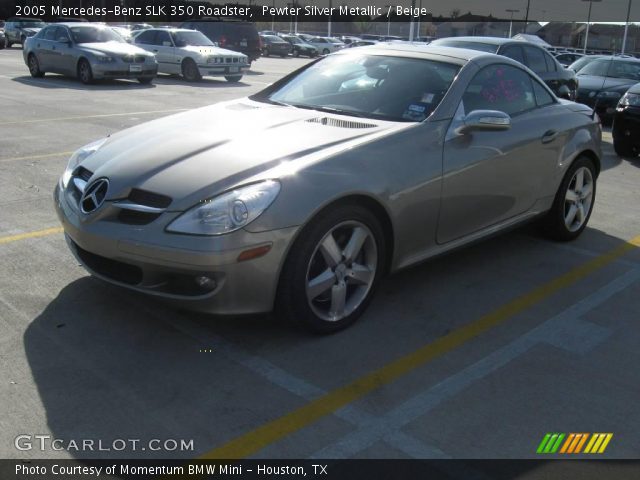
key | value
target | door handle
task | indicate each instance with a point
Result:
(549, 136)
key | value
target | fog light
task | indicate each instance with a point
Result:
(205, 282)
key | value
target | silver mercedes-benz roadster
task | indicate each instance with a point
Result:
(301, 197)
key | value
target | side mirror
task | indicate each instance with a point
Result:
(564, 92)
(485, 120)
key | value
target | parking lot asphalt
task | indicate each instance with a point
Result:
(477, 354)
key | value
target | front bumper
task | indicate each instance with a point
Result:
(626, 125)
(147, 259)
(605, 108)
(217, 70)
(120, 69)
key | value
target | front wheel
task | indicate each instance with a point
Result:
(574, 201)
(190, 70)
(333, 269)
(85, 74)
(34, 67)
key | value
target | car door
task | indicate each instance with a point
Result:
(165, 50)
(535, 59)
(42, 48)
(64, 49)
(492, 176)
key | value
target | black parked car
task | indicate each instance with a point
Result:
(272, 45)
(604, 81)
(626, 124)
(236, 35)
(583, 62)
(300, 47)
(567, 58)
(17, 30)
(561, 80)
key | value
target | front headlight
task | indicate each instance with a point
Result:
(77, 157)
(104, 59)
(609, 95)
(227, 212)
(630, 100)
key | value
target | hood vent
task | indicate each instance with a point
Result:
(339, 123)
(242, 106)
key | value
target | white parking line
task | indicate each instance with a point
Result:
(106, 115)
(564, 330)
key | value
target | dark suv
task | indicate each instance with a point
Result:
(236, 35)
(17, 30)
(562, 81)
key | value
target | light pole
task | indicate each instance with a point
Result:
(586, 36)
(419, 22)
(329, 22)
(388, 20)
(526, 18)
(626, 29)
(413, 9)
(273, 17)
(511, 11)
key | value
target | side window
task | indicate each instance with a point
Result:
(50, 33)
(61, 35)
(146, 38)
(551, 63)
(535, 59)
(543, 97)
(500, 87)
(514, 52)
(163, 39)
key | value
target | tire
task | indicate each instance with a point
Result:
(282, 56)
(34, 66)
(624, 148)
(190, 70)
(326, 51)
(573, 205)
(266, 52)
(296, 53)
(3, 44)
(233, 78)
(9, 44)
(342, 292)
(145, 80)
(85, 74)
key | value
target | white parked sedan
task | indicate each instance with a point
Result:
(191, 54)
(326, 45)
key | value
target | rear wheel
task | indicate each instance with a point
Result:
(233, 78)
(326, 51)
(85, 74)
(34, 66)
(190, 70)
(332, 270)
(574, 201)
(145, 80)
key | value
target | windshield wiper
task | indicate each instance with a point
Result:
(338, 111)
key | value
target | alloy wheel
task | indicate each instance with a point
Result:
(578, 199)
(341, 271)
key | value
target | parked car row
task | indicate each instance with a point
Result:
(93, 51)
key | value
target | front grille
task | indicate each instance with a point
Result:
(83, 173)
(132, 217)
(112, 269)
(149, 199)
(133, 59)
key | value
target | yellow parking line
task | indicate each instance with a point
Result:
(35, 157)
(60, 119)
(24, 236)
(291, 422)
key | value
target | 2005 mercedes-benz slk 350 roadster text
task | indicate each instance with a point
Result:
(303, 196)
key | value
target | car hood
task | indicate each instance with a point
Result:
(200, 153)
(113, 48)
(204, 50)
(590, 83)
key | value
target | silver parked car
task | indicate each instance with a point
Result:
(88, 51)
(301, 197)
(189, 53)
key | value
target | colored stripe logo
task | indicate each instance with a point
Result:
(574, 443)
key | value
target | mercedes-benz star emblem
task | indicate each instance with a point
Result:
(94, 195)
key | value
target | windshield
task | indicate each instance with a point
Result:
(295, 40)
(195, 39)
(580, 63)
(613, 69)
(372, 86)
(32, 24)
(483, 47)
(94, 35)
